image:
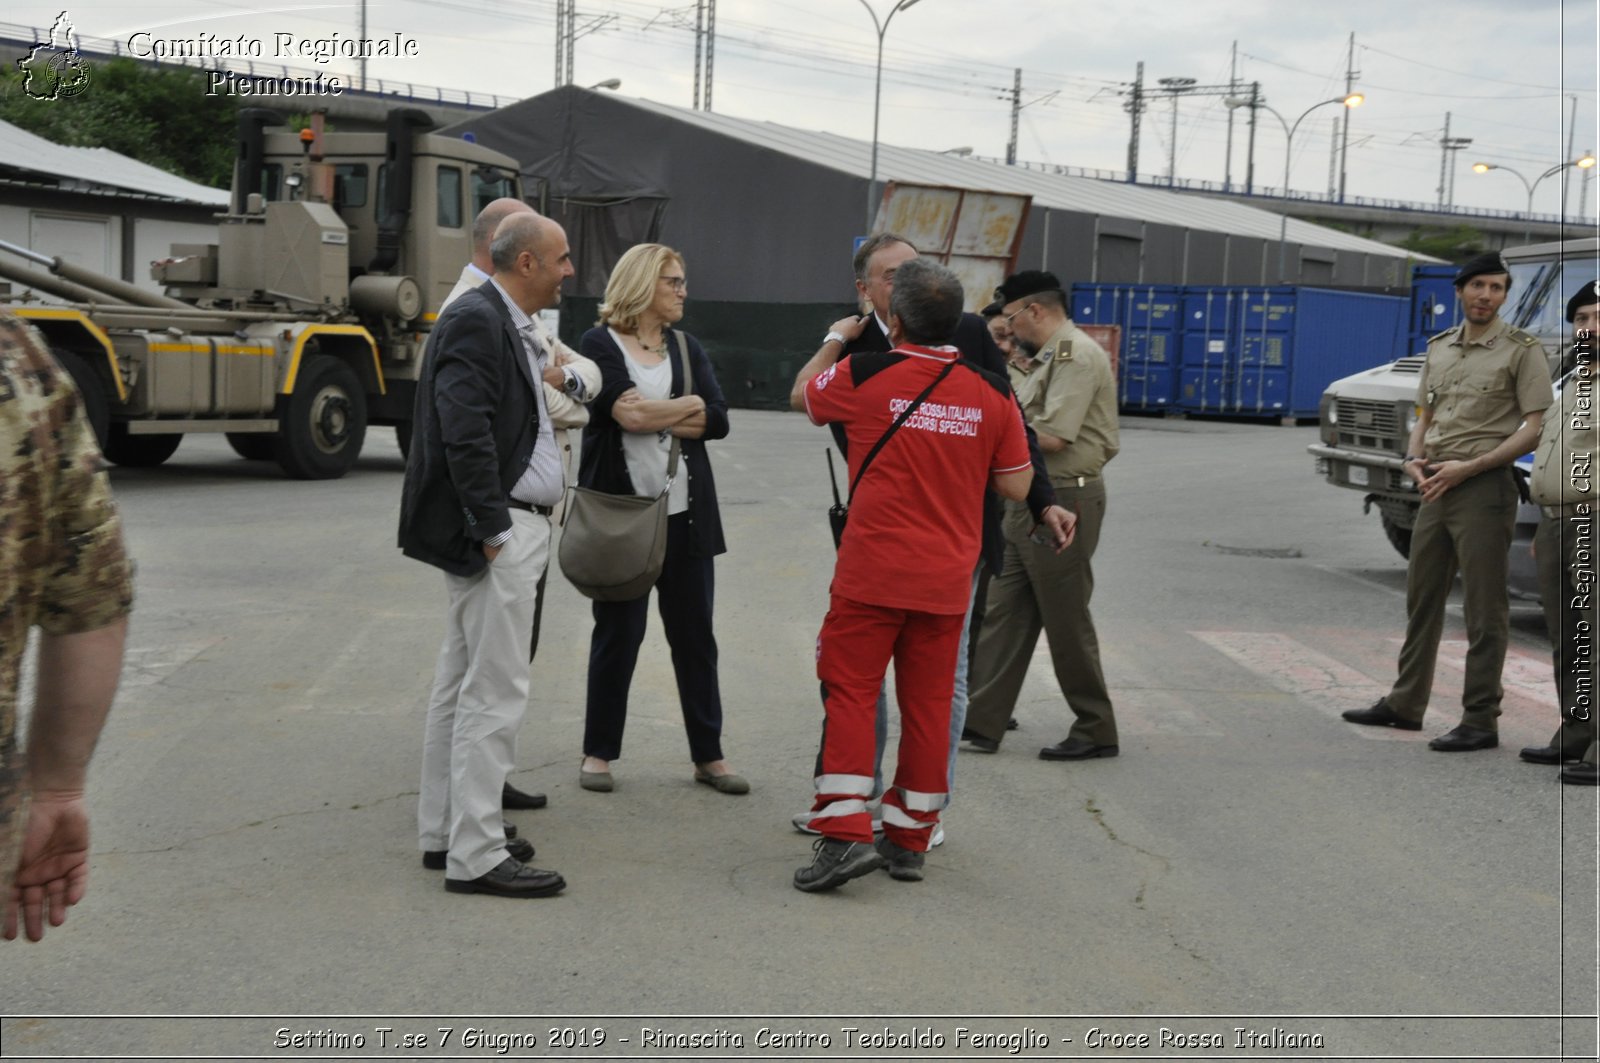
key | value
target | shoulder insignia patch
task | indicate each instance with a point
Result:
(1451, 331)
(1520, 337)
(1064, 351)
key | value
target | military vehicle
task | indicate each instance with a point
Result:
(303, 324)
(1367, 418)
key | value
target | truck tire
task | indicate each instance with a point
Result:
(1399, 538)
(252, 446)
(96, 406)
(324, 422)
(140, 452)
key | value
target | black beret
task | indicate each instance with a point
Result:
(1488, 262)
(1021, 285)
(1588, 295)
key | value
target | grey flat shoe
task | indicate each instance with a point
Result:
(598, 781)
(723, 784)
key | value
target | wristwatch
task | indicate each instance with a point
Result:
(832, 337)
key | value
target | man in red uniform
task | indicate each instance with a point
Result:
(904, 573)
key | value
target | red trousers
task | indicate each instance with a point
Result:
(853, 653)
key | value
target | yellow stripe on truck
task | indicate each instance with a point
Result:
(329, 330)
(42, 313)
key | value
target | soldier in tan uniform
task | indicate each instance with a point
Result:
(1563, 487)
(1482, 380)
(1069, 399)
(62, 569)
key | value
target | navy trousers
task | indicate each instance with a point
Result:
(684, 594)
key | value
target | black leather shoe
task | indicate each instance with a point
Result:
(1011, 724)
(511, 797)
(836, 863)
(521, 849)
(1464, 739)
(1581, 773)
(509, 828)
(1381, 715)
(977, 743)
(1541, 754)
(1076, 749)
(510, 879)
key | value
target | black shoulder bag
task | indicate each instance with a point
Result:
(839, 512)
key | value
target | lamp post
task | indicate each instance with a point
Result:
(1527, 233)
(609, 83)
(877, 92)
(1355, 99)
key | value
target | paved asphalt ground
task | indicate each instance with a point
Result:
(1248, 855)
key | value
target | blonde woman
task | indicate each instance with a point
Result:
(641, 407)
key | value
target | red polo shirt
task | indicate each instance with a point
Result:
(916, 521)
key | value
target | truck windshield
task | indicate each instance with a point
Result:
(1541, 308)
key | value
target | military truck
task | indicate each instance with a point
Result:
(303, 324)
(1367, 418)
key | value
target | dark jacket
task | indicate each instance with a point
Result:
(476, 424)
(972, 339)
(604, 467)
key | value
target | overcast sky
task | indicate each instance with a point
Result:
(1507, 73)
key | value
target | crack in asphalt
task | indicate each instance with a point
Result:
(1165, 866)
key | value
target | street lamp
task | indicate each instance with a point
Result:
(609, 83)
(1484, 167)
(877, 92)
(1355, 99)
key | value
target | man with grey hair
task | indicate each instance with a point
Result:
(928, 431)
(482, 478)
(570, 382)
(876, 263)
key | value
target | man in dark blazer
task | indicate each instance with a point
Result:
(876, 261)
(483, 476)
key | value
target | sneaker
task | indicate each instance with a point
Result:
(836, 863)
(904, 865)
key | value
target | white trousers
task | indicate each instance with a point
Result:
(480, 692)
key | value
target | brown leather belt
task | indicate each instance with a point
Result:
(543, 511)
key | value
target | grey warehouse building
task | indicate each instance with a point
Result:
(766, 217)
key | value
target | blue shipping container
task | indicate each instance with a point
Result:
(1434, 306)
(1147, 387)
(1136, 307)
(1253, 351)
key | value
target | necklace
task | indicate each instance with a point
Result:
(660, 346)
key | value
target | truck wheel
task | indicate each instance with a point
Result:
(252, 446)
(140, 452)
(324, 423)
(1399, 538)
(96, 406)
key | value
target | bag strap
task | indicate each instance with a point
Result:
(688, 389)
(898, 421)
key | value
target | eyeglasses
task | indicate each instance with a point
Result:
(677, 284)
(1020, 309)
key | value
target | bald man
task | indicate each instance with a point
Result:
(571, 382)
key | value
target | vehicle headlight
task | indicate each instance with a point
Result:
(1333, 411)
(1410, 417)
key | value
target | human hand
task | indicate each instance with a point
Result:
(850, 327)
(631, 395)
(1061, 524)
(1443, 476)
(554, 376)
(559, 356)
(691, 427)
(54, 872)
(492, 552)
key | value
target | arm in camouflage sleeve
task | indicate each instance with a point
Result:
(83, 608)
